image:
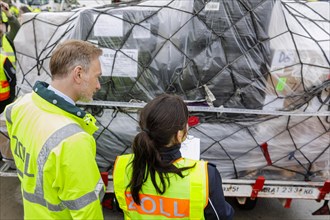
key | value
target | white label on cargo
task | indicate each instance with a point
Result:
(125, 62)
(212, 6)
(108, 25)
(141, 32)
(190, 148)
(283, 58)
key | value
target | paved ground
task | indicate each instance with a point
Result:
(268, 209)
(11, 205)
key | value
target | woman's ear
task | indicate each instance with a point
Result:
(181, 136)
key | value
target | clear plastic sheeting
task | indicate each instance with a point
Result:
(265, 55)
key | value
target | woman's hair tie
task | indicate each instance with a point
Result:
(146, 130)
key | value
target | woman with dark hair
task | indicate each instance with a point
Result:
(155, 182)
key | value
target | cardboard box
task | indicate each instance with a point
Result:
(289, 80)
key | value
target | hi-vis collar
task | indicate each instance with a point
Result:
(41, 89)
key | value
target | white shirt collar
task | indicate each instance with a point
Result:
(61, 94)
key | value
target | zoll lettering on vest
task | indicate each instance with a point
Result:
(20, 152)
(159, 205)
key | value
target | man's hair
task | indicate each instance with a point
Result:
(70, 54)
(25, 9)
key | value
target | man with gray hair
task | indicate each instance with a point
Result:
(51, 138)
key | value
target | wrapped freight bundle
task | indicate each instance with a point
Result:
(269, 59)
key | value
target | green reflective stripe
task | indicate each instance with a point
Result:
(196, 192)
(53, 141)
(8, 113)
(35, 198)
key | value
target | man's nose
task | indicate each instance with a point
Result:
(98, 86)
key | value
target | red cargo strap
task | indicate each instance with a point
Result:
(192, 121)
(264, 148)
(105, 179)
(259, 184)
(324, 190)
(287, 203)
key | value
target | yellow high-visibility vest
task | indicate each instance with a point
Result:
(4, 84)
(8, 50)
(57, 168)
(36, 10)
(14, 10)
(4, 17)
(185, 198)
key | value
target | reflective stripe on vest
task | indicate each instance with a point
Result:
(69, 204)
(38, 196)
(8, 51)
(8, 114)
(49, 145)
(168, 205)
(4, 84)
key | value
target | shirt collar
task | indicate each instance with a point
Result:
(61, 94)
(41, 88)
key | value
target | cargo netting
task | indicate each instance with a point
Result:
(261, 65)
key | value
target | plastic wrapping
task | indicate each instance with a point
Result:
(266, 55)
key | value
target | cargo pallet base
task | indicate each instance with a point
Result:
(247, 191)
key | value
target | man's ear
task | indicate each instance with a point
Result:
(77, 74)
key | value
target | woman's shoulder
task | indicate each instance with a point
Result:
(213, 173)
